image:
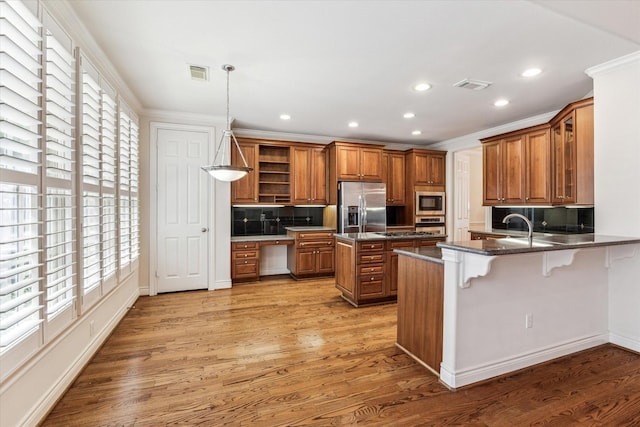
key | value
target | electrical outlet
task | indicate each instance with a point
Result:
(528, 321)
(91, 328)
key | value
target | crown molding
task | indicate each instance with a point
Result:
(64, 14)
(185, 117)
(613, 64)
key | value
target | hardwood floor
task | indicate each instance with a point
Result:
(294, 353)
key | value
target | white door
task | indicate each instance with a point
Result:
(182, 252)
(462, 202)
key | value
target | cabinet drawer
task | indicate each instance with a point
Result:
(238, 246)
(315, 243)
(371, 246)
(246, 268)
(276, 242)
(315, 235)
(370, 270)
(371, 258)
(371, 288)
(245, 254)
(428, 242)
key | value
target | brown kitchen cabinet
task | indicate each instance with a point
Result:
(245, 260)
(572, 154)
(312, 254)
(393, 175)
(427, 167)
(270, 180)
(245, 190)
(309, 175)
(352, 162)
(516, 168)
(366, 270)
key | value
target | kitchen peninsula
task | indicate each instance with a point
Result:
(513, 302)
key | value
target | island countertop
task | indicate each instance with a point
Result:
(359, 237)
(520, 245)
(431, 254)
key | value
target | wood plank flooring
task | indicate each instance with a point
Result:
(285, 353)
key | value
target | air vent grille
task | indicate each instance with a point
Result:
(472, 84)
(199, 73)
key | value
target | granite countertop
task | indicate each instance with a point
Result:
(431, 254)
(519, 233)
(358, 237)
(310, 228)
(540, 243)
(261, 238)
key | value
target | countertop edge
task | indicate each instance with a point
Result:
(421, 256)
(459, 246)
(263, 238)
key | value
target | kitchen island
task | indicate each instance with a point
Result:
(367, 266)
(512, 303)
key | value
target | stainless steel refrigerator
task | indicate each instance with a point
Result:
(361, 207)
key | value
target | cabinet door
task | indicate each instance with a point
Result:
(436, 169)
(325, 260)
(492, 177)
(371, 164)
(305, 261)
(395, 185)
(513, 170)
(421, 169)
(386, 175)
(319, 175)
(562, 143)
(245, 190)
(537, 169)
(348, 163)
(302, 168)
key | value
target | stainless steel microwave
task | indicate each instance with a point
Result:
(429, 203)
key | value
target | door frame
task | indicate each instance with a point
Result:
(154, 128)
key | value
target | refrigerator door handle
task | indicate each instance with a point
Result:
(364, 214)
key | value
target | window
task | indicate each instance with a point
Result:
(69, 212)
(20, 165)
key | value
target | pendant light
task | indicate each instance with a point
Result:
(219, 170)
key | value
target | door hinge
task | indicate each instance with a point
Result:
(157, 275)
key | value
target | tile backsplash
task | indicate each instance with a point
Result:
(263, 220)
(547, 220)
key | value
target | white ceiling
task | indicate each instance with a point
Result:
(330, 62)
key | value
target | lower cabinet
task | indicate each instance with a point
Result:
(367, 271)
(312, 254)
(245, 261)
(245, 258)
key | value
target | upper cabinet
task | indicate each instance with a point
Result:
(429, 168)
(426, 168)
(393, 175)
(572, 154)
(245, 190)
(309, 175)
(270, 180)
(516, 168)
(546, 164)
(352, 162)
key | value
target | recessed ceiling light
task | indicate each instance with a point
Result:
(285, 116)
(409, 115)
(353, 124)
(421, 87)
(501, 102)
(416, 132)
(531, 72)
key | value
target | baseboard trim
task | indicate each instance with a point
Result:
(479, 373)
(630, 343)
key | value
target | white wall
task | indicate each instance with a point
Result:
(617, 191)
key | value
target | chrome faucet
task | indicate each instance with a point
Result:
(506, 219)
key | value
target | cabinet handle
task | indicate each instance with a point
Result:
(371, 277)
(302, 236)
(246, 255)
(277, 242)
(246, 262)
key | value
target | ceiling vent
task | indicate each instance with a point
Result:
(472, 84)
(199, 73)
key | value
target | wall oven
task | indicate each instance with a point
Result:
(432, 224)
(429, 203)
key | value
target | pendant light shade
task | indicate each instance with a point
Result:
(219, 170)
